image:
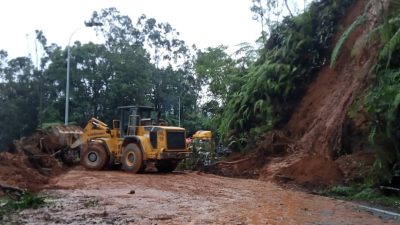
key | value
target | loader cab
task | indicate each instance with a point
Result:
(133, 116)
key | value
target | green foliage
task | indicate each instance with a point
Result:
(220, 75)
(363, 193)
(139, 64)
(27, 200)
(18, 98)
(339, 45)
(367, 193)
(217, 70)
(342, 191)
(293, 53)
(47, 126)
(391, 46)
(203, 154)
(390, 34)
(382, 102)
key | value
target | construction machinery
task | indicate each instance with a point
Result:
(203, 147)
(137, 138)
(203, 135)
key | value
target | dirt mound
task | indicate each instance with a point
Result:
(31, 161)
(307, 146)
(324, 171)
(356, 166)
(243, 168)
(276, 144)
(17, 171)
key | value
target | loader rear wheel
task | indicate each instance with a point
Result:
(166, 166)
(132, 159)
(94, 157)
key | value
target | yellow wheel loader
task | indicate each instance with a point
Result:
(133, 141)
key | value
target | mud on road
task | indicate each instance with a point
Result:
(116, 197)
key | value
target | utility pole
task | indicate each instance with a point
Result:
(179, 111)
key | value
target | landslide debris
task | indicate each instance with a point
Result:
(306, 149)
(30, 162)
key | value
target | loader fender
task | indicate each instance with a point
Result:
(103, 142)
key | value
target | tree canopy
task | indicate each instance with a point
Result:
(143, 63)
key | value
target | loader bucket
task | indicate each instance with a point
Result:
(67, 135)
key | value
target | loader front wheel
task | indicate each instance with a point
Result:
(132, 159)
(94, 157)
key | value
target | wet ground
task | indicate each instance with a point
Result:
(116, 197)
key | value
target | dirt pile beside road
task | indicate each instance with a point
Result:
(17, 171)
(31, 161)
(324, 171)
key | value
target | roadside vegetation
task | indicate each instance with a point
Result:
(12, 204)
(382, 101)
(295, 49)
(363, 193)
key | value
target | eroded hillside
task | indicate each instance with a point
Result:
(307, 149)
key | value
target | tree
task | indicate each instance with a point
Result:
(217, 70)
(18, 98)
(141, 64)
(151, 40)
(294, 51)
(269, 12)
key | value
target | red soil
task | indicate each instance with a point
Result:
(305, 149)
(32, 164)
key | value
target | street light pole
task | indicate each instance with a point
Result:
(67, 86)
(87, 24)
(179, 111)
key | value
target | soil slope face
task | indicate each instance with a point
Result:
(115, 197)
(317, 123)
(307, 147)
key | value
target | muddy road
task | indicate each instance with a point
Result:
(115, 197)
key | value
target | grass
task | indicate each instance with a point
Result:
(367, 194)
(27, 200)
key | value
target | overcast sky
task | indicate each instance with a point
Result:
(201, 22)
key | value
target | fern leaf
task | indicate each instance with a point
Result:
(390, 46)
(336, 51)
(371, 136)
(396, 102)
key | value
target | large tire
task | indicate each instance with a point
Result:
(166, 166)
(132, 159)
(94, 157)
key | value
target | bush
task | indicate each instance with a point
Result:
(294, 52)
(382, 101)
(26, 200)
